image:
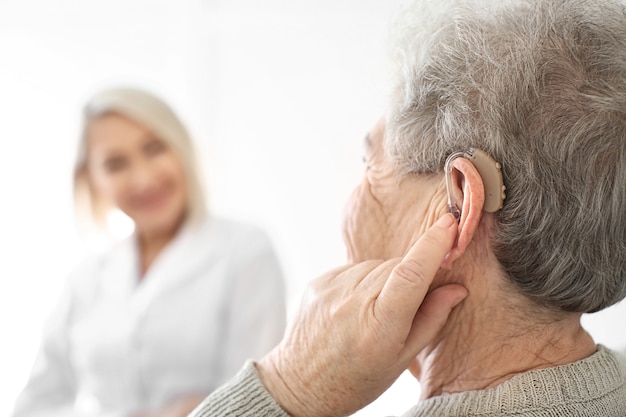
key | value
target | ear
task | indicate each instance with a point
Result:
(468, 184)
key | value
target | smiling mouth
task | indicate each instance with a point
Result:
(150, 202)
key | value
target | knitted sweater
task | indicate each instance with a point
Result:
(592, 387)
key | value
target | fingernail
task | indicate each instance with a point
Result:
(445, 221)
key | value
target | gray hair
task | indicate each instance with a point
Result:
(541, 86)
(154, 114)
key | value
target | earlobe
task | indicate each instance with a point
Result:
(469, 184)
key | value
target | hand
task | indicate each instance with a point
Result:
(178, 408)
(359, 327)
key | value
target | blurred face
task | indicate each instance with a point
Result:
(387, 212)
(136, 172)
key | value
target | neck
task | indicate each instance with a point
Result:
(492, 336)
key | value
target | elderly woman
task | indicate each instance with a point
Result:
(539, 87)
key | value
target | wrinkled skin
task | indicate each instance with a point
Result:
(359, 326)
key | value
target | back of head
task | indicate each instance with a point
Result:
(158, 117)
(541, 86)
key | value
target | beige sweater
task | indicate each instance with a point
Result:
(592, 387)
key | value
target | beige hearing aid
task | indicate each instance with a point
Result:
(491, 173)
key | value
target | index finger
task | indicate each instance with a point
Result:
(408, 283)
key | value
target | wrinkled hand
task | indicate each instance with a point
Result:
(359, 327)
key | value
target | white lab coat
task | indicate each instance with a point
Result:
(213, 297)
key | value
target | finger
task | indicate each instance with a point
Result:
(432, 316)
(408, 283)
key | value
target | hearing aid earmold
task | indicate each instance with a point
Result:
(491, 173)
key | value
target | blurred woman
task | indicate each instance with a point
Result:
(159, 320)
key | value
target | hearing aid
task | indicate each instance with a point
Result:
(491, 173)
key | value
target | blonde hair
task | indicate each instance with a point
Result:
(154, 114)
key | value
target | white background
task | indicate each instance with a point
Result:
(278, 96)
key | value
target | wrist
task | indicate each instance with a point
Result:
(283, 389)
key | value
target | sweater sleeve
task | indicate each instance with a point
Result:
(243, 396)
